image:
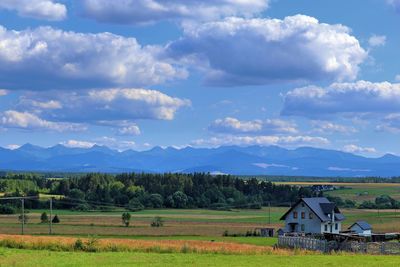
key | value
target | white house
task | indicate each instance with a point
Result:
(313, 216)
(361, 228)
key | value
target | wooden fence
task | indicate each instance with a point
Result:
(387, 248)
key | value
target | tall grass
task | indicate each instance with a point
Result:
(93, 244)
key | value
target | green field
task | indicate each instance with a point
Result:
(358, 192)
(12, 257)
(204, 223)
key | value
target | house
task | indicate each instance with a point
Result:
(313, 216)
(361, 228)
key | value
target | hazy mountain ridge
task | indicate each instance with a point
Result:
(250, 160)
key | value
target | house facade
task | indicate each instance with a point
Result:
(313, 216)
(361, 228)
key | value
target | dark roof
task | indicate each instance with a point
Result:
(321, 206)
(363, 225)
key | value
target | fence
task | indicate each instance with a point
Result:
(303, 243)
(387, 248)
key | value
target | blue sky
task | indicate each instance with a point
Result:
(136, 74)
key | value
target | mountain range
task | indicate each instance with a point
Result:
(251, 160)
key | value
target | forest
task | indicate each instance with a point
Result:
(136, 191)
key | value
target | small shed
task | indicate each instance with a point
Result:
(361, 228)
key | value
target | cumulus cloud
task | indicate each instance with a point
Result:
(377, 40)
(233, 126)
(326, 127)
(49, 58)
(110, 142)
(77, 144)
(145, 11)
(29, 121)
(285, 141)
(132, 129)
(357, 149)
(238, 51)
(361, 97)
(38, 9)
(118, 106)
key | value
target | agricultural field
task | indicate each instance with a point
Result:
(209, 224)
(358, 192)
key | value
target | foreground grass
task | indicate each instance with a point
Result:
(14, 257)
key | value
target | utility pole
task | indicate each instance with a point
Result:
(22, 216)
(269, 212)
(51, 220)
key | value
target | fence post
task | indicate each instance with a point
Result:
(383, 248)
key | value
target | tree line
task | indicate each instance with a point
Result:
(136, 191)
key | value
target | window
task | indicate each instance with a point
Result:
(326, 227)
(311, 215)
(295, 214)
(336, 226)
(303, 228)
(303, 215)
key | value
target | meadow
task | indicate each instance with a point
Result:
(358, 192)
(209, 224)
(15, 257)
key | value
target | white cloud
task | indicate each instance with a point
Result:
(285, 141)
(232, 126)
(397, 78)
(357, 149)
(49, 58)
(361, 97)
(327, 127)
(110, 142)
(117, 106)
(77, 144)
(377, 40)
(3, 92)
(132, 129)
(39, 9)
(25, 120)
(145, 11)
(238, 51)
(345, 169)
(391, 123)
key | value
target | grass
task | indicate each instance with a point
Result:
(208, 224)
(31, 258)
(58, 243)
(358, 192)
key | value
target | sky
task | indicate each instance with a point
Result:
(134, 74)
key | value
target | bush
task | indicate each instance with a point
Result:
(7, 209)
(78, 245)
(44, 218)
(126, 219)
(157, 222)
(56, 219)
